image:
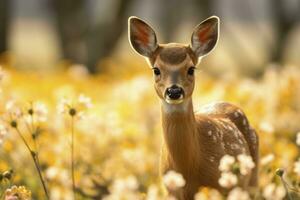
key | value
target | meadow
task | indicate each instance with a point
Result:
(115, 120)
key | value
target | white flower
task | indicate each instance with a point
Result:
(58, 174)
(85, 101)
(298, 139)
(131, 182)
(76, 108)
(123, 188)
(246, 164)
(40, 111)
(57, 192)
(10, 105)
(14, 111)
(63, 106)
(267, 159)
(152, 193)
(266, 127)
(123, 185)
(52, 172)
(173, 180)
(3, 130)
(80, 115)
(297, 167)
(3, 133)
(273, 192)
(228, 179)
(238, 194)
(226, 163)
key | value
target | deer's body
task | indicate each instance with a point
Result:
(193, 143)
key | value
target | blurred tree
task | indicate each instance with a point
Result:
(170, 16)
(286, 20)
(4, 19)
(72, 23)
(208, 8)
(83, 43)
(104, 36)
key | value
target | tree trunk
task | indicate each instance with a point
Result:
(72, 23)
(4, 21)
(103, 39)
(284, 24)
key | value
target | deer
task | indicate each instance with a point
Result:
(193, 142)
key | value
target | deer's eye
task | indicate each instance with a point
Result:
(191, 71)
(156, 71)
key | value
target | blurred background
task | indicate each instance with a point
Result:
(43, 34)
(55, 50)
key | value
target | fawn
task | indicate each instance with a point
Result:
(193, 143)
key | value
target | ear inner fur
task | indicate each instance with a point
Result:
(142, 37)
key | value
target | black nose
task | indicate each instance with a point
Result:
(174, 92)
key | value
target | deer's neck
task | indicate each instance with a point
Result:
(179, 127)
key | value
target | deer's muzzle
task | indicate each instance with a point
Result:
(174, 94)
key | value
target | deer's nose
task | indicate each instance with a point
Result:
(174, 92)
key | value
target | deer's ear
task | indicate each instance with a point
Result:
(141, 36)
(205, 36)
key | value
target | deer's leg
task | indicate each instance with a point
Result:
(255, 156)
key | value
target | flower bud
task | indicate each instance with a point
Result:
(279, 172)
(72, 112)
(7, 175)
(30, 111)
(14, 124)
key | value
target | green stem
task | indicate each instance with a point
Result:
(1, 192)
(33, 133)
(37, 166)
(72, 158)
(286, 188)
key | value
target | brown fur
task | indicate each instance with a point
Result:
(188, 148)
(173, 55)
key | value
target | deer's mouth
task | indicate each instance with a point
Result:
(174, 101)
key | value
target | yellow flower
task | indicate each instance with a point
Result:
(206, 193)
(17, 193)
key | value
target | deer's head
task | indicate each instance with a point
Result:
(173, 64)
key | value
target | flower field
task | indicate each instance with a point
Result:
(98, 137)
